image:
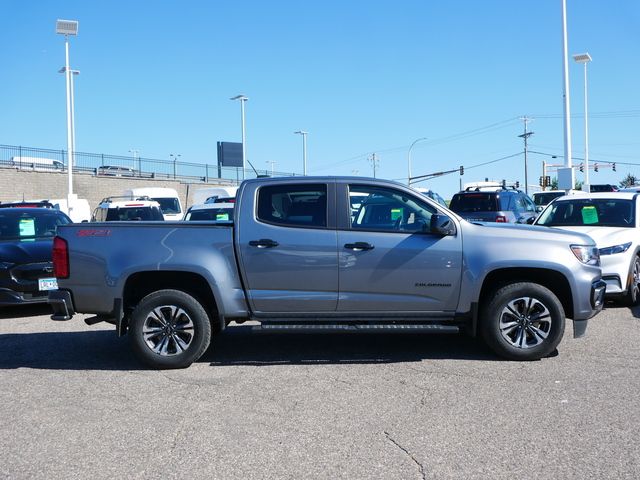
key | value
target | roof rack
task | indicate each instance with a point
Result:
(27, 204)
(125, 197)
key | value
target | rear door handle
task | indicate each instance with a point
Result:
(264, 243)
(359, 246)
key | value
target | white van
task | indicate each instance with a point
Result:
(167, 198)
(201, 195)
(34, 163)
(81, 211)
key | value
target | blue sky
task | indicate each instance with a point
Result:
(359, 76)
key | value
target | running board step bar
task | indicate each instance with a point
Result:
(358, 328)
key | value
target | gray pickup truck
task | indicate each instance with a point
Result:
(327, 253)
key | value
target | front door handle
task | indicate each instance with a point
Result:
(264, 243)
(359, 246)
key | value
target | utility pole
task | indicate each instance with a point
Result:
(374, 161)
(525, 136)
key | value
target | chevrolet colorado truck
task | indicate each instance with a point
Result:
(329, 253)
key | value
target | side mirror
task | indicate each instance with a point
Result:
(442, 225)
(539, 208)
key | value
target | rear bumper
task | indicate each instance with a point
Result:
(62, 305)
(12, 297)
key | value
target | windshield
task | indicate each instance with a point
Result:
(542, 199)
(589, 212)
(474, 202)
(18, 224)
(168, 205)
(133, 213)
(215, 214)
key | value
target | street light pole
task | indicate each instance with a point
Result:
(135, 152)
(66, 28)
(242, 98)
(585, 58)
(409, 159)
(568, 185)
(175, 160)
(304, 150)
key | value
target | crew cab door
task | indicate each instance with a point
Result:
(388, 259)
(287, 244)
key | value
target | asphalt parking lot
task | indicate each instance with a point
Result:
(76, 404)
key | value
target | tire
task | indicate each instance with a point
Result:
(522, 321)
(632, 297)
(169, 329)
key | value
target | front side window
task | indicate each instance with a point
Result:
(293, 205)
(374, 208)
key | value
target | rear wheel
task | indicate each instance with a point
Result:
(169, 329)
(633, 289)
(522, 321)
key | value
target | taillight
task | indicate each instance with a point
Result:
(60, 258)
(501, 219)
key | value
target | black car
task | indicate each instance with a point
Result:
(494, 204)
(26, 243)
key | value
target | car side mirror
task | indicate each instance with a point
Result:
(442, 225)
(539, 208)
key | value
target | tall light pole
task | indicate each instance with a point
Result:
(304, 150)
(242, 98)
(272, 162)
(567, 183)
(585, 58)
(409, 159)
(66, 28)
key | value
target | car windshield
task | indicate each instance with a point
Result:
(168, 205)
(604, 212)
(544, 198)
(18, 224)
(474, 202)
(215, 214)
(133, 213)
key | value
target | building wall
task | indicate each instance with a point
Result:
(16, 185)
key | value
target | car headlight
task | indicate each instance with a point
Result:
(586, 254)
(615, 249)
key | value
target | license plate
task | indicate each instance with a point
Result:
(47, 284)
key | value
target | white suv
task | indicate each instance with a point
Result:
(611, 219)
(127, 209)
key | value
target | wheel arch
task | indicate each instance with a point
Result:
(551, 279)
(141, 284)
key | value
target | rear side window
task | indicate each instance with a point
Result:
(293, 205)
(474, 202)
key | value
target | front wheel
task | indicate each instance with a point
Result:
(522, 321)
(169, 329)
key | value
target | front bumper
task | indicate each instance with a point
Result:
(598, 289)
(62, 305)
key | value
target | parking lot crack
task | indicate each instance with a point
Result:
(409, 454)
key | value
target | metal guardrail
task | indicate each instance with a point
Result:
(44, 159)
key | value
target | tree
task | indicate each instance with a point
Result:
(629, 181)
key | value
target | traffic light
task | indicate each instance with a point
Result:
(582, 167)
(613, 166)
(547, 181)
(517, 184)
(595, 167)
(461, 170)
(541, 181)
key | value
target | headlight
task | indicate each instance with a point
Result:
(586, 254)
(615, 249)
